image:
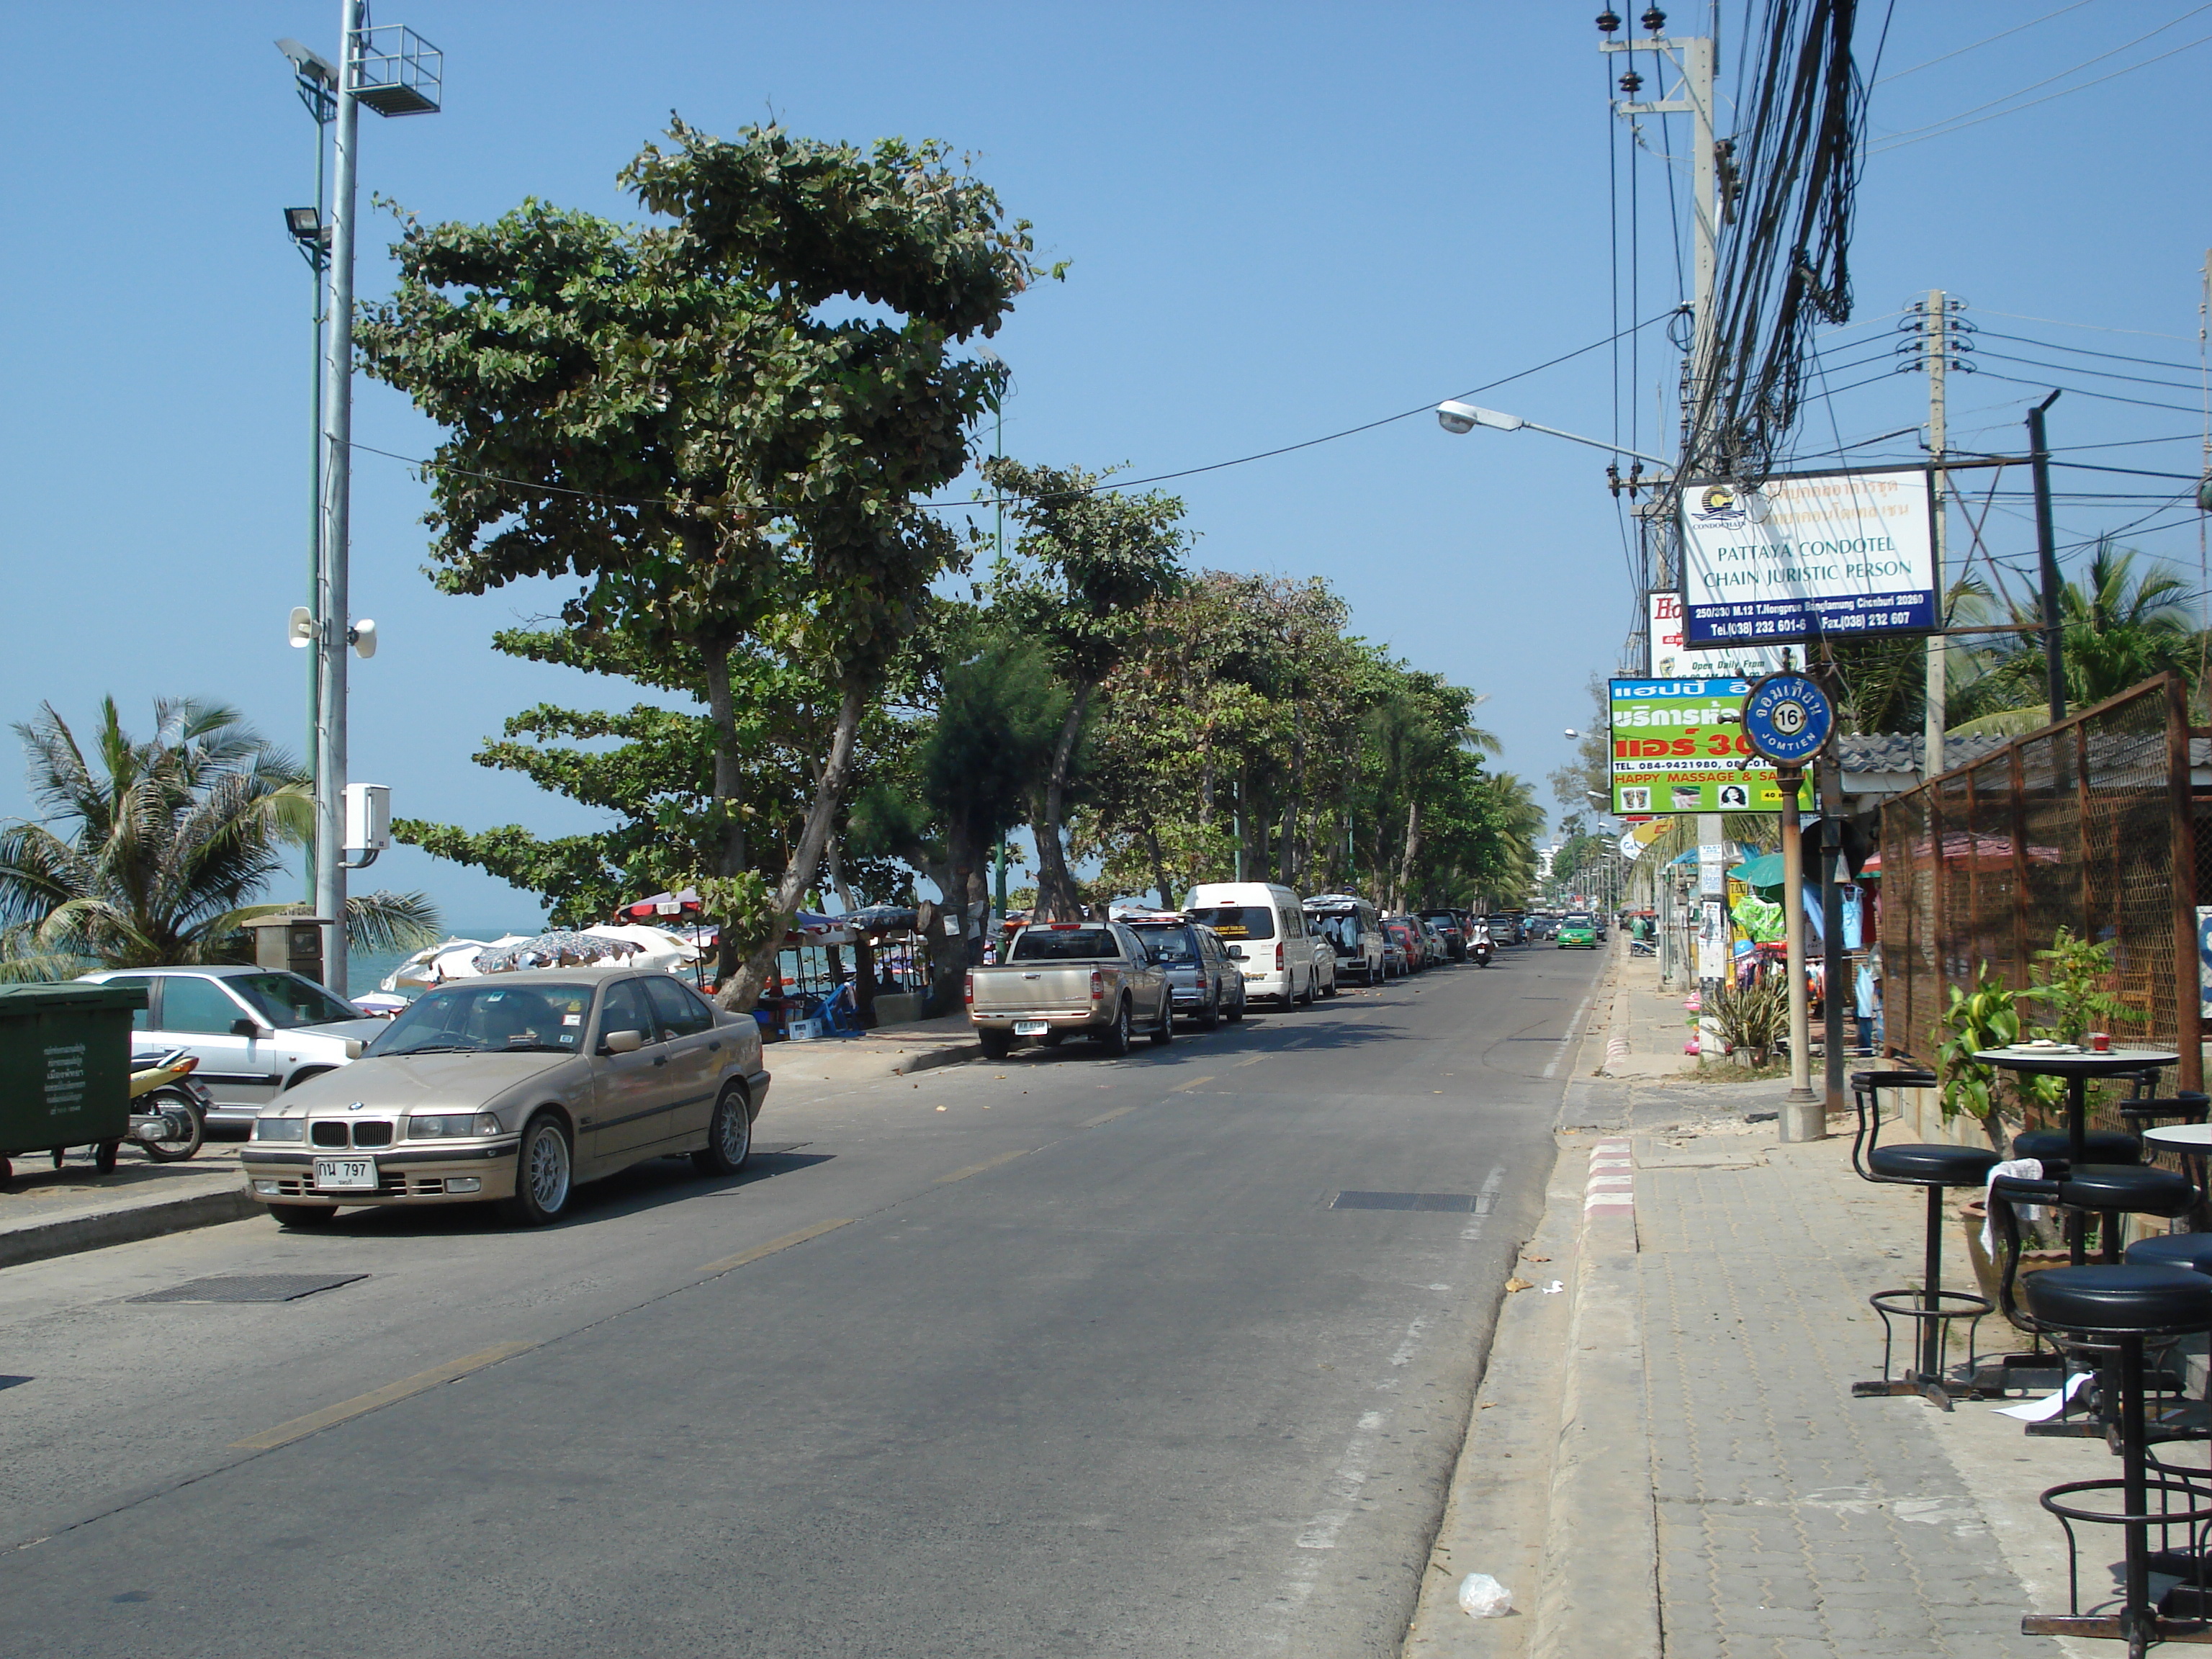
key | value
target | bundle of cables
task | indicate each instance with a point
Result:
(1789, 176)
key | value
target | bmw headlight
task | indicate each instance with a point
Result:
(448, 1126)
(280, 1129)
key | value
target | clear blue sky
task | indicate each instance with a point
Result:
(1284, 220)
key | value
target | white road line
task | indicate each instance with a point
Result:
(1487, 1195)
(1573, 1020)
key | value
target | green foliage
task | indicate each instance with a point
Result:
(1986, 1017)
(1754, 1018)
(151, 852)
(2072, 987)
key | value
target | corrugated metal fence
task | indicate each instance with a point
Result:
(2087, 824)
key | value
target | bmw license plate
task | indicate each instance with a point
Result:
(344, 1174)
(1032, 1027)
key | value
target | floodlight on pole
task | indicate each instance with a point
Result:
(1458, 418)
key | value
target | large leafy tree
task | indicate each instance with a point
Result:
(150, 852)
(672, 415)
(1088, 564)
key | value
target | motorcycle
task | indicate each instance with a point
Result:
(168, 1111)
(1480, 950)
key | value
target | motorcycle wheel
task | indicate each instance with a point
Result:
(176, 1106)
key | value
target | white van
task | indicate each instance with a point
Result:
(1265, 928)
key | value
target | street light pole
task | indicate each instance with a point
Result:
(2046, 550)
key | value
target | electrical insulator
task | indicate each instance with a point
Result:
(1632, 83)
(1654, 19)
(1608, 20)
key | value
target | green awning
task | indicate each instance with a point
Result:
(1765, 871)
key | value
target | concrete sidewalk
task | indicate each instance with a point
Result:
(920, 1045)
(1665, 1457)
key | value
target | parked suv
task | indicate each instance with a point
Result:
(255, 1031)
(1353, 931)
(1203, 981)
(1506, 928)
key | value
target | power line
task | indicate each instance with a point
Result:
(2094, 328)
(2085, 351)
(1978, 45)
(2108, 397)
(1959, 125)
(2084, 368)
(985, 500)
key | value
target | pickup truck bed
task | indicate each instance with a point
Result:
(1092, 979)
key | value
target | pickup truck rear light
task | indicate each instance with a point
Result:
(968, 990)
(1278, 958)
(1098, 986)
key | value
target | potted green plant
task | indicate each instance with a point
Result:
(2072, 986)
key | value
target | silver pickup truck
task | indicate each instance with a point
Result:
(1091, 978)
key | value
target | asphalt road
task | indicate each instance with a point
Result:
(1053, 1356)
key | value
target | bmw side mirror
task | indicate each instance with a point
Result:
(623, 1042)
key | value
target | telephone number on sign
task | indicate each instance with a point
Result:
(1848, 621)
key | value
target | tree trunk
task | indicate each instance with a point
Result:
(744, 989)
(1159, 864)
(1056, 894)
(729, 784)
(1403, 894)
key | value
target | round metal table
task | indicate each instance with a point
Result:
(2077, 1067)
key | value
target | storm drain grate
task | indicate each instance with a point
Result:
(1453, 1203)
(252, 1287)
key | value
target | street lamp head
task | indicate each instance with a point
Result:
(1456, 417)
(1572, 732)
(309, 64)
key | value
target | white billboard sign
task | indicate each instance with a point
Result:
(1672, 657)
(1808, 555)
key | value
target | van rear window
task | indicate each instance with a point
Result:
(1238, 920)
(1065, 945)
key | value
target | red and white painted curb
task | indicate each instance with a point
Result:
(1611, 1190)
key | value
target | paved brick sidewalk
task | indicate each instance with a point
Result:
(1794, 1520)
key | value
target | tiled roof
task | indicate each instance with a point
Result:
(1900, 751)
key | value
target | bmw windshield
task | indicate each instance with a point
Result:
(491, 1017)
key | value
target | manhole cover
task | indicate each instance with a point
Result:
(252, 1287)
(1454, 1203)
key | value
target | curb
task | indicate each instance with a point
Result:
(958, 1055)
(1599, 1592)
(69, 1235)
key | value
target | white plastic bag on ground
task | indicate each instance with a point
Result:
(1481, 1596)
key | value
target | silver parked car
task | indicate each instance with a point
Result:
(514, 1087)
(1203, 980)
(255, 1031)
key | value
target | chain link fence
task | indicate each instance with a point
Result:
(2087, 825)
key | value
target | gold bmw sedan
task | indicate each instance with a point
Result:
(514, 1088)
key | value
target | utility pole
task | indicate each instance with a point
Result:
(2047, 549)
(1936, 345)
(1693, 59)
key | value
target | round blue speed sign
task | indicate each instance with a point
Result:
(1788, 718)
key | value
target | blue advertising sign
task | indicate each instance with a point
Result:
(1788, 718)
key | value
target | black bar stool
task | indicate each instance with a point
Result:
(2112, 1310)
(1931, 1308)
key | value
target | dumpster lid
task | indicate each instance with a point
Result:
(22, 1001)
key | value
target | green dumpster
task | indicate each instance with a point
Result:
(65, 1067)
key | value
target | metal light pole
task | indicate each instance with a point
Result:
(316, 80)
(398, 75)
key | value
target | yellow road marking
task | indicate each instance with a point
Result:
(988, 1164)
(1250, 1060)
(1193, 1083)
(301, 1427)
(1108, 1117)
(774, 1244)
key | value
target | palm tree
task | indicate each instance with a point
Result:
(150, 853)
(2117, 629)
